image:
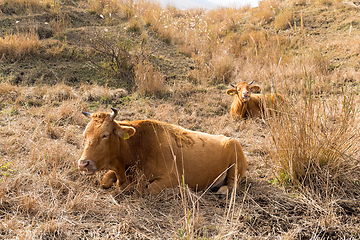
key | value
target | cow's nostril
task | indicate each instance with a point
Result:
(84, 163)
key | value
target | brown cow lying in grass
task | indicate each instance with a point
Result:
(247, 105)
(164, 153)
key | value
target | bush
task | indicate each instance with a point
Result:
(267, 10)
(115, 51)
(314, 142)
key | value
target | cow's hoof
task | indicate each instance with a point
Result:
(223, 191)
(108, 180)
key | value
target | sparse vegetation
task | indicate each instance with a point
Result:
(59, 58)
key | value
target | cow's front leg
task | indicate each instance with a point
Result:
(113, 176)
(108, 180)
(158, 185)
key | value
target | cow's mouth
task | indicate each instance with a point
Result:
(245, 98)
(87, 167)
(87, 172)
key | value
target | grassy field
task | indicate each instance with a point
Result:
(59, 58)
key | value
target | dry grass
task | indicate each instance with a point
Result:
(22, 6)
(148, 80)
(110, 8)
(16, 46)
(315, 142)
(303, 176)
(284, 20)
(267, 10)
(43, 194)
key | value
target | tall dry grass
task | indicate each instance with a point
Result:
(16, 46)
(284, 20)
(315, 141)
(148, 80)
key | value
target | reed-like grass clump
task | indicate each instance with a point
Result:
(315, 142)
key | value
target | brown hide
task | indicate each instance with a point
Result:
(163, 152)
(247, 104)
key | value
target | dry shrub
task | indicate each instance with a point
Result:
(284, 20)
(265, 15)
(148, 80)
(16, 46)
(160, 21)
(104, 7)
(315, 142)
(116, 52)
(69, 113)
(149, 11)
(32, 96)
(136, 25)
(258, 48)
(320, 61)
(59, 24)
(299, 2)
(327, 2)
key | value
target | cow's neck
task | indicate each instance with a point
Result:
(242, 107)
(128, 151)
(133, 149)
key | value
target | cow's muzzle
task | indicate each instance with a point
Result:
(245, 96)
(87, 166)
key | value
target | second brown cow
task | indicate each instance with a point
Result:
(248, 104)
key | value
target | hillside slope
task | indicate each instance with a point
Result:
(66, 53)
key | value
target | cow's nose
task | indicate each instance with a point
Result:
(83, 163)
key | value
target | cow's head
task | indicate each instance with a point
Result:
(103, 137)
(243, 90)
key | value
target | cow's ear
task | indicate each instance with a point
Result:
(231, 91)
(255, 88)
(125, 132)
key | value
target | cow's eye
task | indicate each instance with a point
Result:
(105, 135)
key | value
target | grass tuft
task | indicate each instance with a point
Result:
(148, 80)
(315, 142)
(17, 46)
(284, 20)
